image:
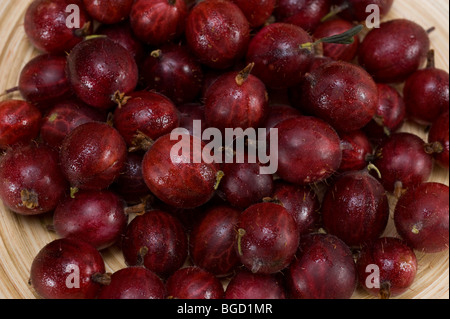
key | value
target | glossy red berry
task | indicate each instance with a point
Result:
(357, 10)
(309, 150)
(355, 208)
(43, 80)
(194, 283)
(247, 285)
(175, 172)
(403, 162)
(386, 267)
(268, 238)
(356, 151)
(212, 240)
(173, 71)
(108, 11)
(46, 25)
(236, 99)
(97, 218)
(157, 241)
(279, 60)
(426, 94)
(407, 50)
(421, 217)
(99, 70)
(156, 22)
(92, 156)
(218, 33)
(67, 269)
(341, 93)
(323, 269)
(133, 283)
(32, 180)
(20, 123)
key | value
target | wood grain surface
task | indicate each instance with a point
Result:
(22, 237)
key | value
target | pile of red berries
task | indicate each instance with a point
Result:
(90, 143)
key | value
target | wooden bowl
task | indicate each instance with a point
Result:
(21, 237)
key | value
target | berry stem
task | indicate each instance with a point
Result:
(431, 60)
(243, 75)
(434, 148)
(141, 142)
(102, 279)
(371, 167)
(335, 10)
(9, 91)
(385, 290)
(241, 233)
(346, 37)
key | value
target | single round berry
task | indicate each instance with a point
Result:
(257, 12)
(92, 156)
(247, 285)
(67, 268)
(157, 241)
(323, 269)
(97, 218)
(421, 217)
(438, 140)
(309, 150)
(356, 151)
(99, 69)
(407, 50)
(267, 238)
(218, 33)
(386, 267)
(306, 14)
(108, 11)
(357, 10)
(32, 180)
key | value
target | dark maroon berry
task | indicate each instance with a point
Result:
(243, 183)
(92, 156)
(133, 283)
(20, 122)
(421, 217)
(156, 22)
(32, 180)
(218, 33)
(43, 80)
(236, 99)
(145, 113)
(267, 238)
(67, 268)
(303, 13)
(247, 285)
(403, 162)
(301, 202)
(407, 50)
(390, 114)
(355, 208)
(309, 150)
(426, 94)
(122, 34)
(438, 140)
(63, 117)
(212, 240)
(257, 12)
(130, 184)
(174, 72)
(323, 269)
(194, 283)
(108, 11)
(342, 94)
(386, 267)
(279, 60)
(336, 51)
(97, 218)
(46, 25)
(156, 240)
(176, 174)
(277, 113)
(99, 70)
(356, 151)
